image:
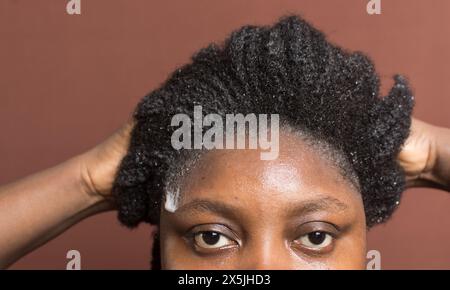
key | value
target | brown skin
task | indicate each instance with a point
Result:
(81, 186)
(77, 188)
(425, 157)
(262, 212)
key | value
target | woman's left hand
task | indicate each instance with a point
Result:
(424, 156)
(416, 156)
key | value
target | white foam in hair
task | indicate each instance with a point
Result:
(172, 199)
(175, 177)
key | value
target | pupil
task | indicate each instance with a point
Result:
(210, 238)
(317, 238)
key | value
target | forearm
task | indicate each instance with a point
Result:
(41, 206)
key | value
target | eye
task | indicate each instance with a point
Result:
(316, 237)
(212, 240)
(316, 240)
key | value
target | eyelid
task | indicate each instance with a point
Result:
(305, 229)
(229, 242)
(219, 228)
(317, 226)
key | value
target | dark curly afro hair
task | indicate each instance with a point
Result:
(288, 69)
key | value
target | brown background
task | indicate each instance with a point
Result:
(66, 82)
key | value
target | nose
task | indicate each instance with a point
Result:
(267, 254)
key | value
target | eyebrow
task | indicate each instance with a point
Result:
(326, 203)
(206, 205)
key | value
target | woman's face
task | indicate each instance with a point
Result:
(240, 212)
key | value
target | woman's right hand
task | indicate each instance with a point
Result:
(38, 207)
(100, 164)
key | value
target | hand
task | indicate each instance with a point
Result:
(418, 155)
(100, 164)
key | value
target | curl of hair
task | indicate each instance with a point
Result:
(288, 69)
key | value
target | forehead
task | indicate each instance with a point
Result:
(300, 173)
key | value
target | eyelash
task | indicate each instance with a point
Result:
(325, 242)
(308, 243)
(200, 237)
(325, 234)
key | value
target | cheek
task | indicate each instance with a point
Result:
(352, 247)
(351, 251)
(349, 254)
(173, 250)
(176, 257)
(177, 254)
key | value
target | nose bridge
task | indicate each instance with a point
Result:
(266, 251)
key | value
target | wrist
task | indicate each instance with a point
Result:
(434, 172)
(92, 195)
(440, 161)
